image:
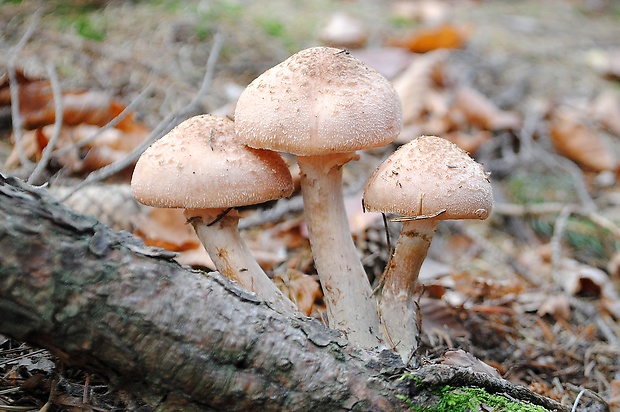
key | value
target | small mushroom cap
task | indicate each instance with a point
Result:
(200, 165)
(320, 101)
(430, 177)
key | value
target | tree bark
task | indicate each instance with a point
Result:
(180, 339)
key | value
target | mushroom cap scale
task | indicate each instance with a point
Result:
(319, 101)
(430, 177)
(200, 165)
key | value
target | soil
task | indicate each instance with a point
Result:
(522, 55)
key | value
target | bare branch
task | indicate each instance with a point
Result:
(35, 177)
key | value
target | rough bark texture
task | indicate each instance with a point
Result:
(181, 340)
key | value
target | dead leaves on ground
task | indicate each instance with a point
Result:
(85, 113)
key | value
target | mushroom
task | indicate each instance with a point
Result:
(199, 166)
(322, 104)
(427, 180)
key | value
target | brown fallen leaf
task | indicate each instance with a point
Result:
(110, 145)
(478, 110)
(445, 36)
(605, 109)
(36, 104)
(468, 141)
(580, 279)
(574, 138)
(302, 289)
(556, 306)
(413, 84)
(463, 359)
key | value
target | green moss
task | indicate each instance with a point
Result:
(466, 399)
(532, 187)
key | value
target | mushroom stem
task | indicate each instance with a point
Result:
(351, 307)
(232, 258)
(398, 309)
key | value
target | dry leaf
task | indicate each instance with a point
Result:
(167, 229)
(614, 397)
(415, 82)
(556, 306)
(110, 145)
(445, 36)
(468, 141)
(583, 280)
(575, 139)
(463, 359)
(478, 110)
(438, 317)
(605, 109)
(36, 103)
(300, 288)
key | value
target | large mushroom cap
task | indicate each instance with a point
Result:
(430, 176)
(319, 101)
(200, 165)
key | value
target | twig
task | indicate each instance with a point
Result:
(162, 128)
(591, 313)
(282, 207)
(14, 90)
(535, 209)
(489, 247)
(556, 243)
(58, 120)
(116, 120)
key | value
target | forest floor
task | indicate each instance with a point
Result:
(531, 89)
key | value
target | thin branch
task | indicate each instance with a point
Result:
(536, 209)
(58, 121)
(162, 128)
(556, 243)
(14, 90)
(112, 123)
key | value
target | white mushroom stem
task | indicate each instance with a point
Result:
(217, 230)
(398, 308)
(351, 307)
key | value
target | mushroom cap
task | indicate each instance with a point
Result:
(427, 176)
(319, 101)
(201, 165)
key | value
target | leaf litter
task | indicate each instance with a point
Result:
(533, 292)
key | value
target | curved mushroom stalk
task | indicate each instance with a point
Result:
(398, 308)
(429, 179)
(348, 294)
(217, 230)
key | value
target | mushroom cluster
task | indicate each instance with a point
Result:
(322, 105)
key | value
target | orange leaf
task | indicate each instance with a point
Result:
(575, 139)
(302, 289)
(446, 36)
